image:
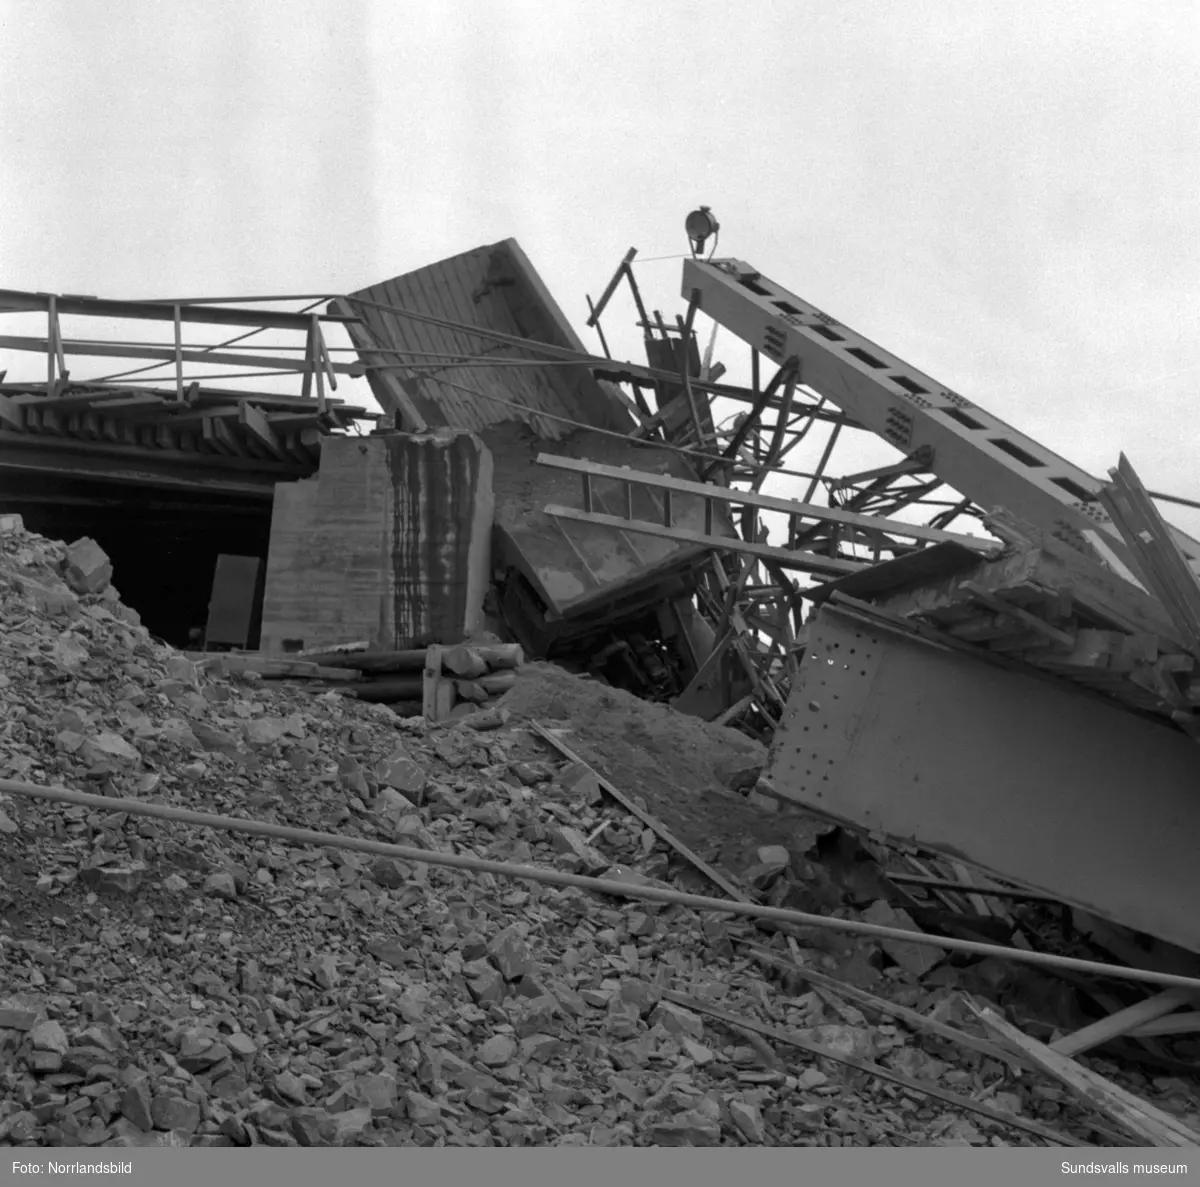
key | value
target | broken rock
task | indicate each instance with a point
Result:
(137, 1105)
(579, 783)
(422, 1110)
(69, 653)
(497, 1051)
(378, 1092)
(49, 1036)
(740, 772)
(264, 731)
(917, 959)
(676, 1020)
(174, 1113)
(222, 884)
(107, 747)
(291, 1087)
(113, 879)
(846, 1040)
(510, 954)
(241, 1044)
(16, 1016)
(88, 569)
(352, 1124)
(748, 1120)
(770, 862)
(690, 1128)
(390, 873)
(399, 771)
(314, 1127)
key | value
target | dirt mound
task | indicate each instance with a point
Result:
(636, 735)
(684, 770)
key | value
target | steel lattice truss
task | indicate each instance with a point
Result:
(819, 392)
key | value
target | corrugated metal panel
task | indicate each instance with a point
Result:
(495, 288)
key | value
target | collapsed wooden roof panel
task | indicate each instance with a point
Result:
(427, 368)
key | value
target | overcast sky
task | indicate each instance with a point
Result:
(1005, 195)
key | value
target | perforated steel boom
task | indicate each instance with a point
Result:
(967, 447)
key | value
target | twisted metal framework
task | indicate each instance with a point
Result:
(817, 391)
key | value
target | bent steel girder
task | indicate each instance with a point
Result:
(1026, 778)
(971, 450)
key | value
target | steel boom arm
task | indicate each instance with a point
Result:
(976, 453)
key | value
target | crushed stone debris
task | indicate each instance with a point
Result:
(173, 986)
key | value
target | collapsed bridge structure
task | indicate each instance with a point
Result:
(973, 645)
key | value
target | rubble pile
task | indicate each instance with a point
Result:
(168, 985)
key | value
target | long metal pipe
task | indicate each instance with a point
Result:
(303, 836)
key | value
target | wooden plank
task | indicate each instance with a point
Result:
(1155, 548)
(1173, 1024)
(806, 562)
(409, 687)
(255, 422)
(74, 458)
(11, 413)
(218, 437)
(1148, 1124)
(130, 402)
(1123, 1022)
(432, 696)
(790, 507)
(650, 821)
(923, 1088)
(1004, 606)
(869, 1001)
(270, 669)
(275, 402)
(1056, 567)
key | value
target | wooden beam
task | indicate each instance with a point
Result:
(1123, 1022)
(1051, 565)
(740, 1022)
(77, 395)
(294, 448)
(297, 420)
(1149, 1124)
(218, 436)
(652, 822)
(870, 1002)
(255, 423)
(1003, 606)
(1156, 551)
(707, 490)
(1172, 1024)
(131, 402)
(805, 562)
(268, 401)
(69, 458)
(11, 413)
